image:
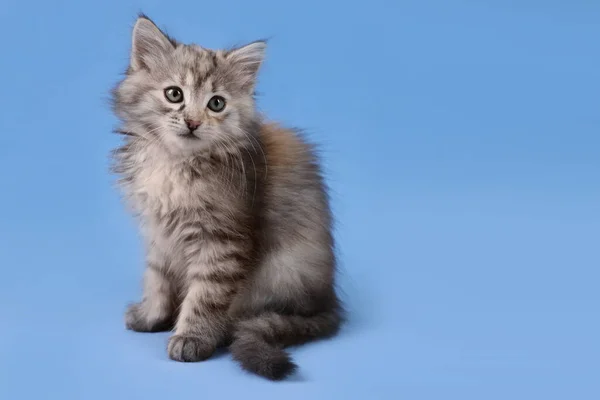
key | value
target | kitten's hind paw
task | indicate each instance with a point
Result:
(189, 348)
(136, 319)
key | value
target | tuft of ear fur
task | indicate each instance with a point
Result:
(149, 44)
(247, 60)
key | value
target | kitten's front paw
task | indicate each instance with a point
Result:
(137, 320)
(189, 348)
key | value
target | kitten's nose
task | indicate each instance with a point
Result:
(192, 125)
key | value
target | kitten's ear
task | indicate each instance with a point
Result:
(247, 60)
(149, 44)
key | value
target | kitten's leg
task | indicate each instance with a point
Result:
(155, 313)
(214, 277)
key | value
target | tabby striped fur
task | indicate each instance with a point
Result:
(235, 214)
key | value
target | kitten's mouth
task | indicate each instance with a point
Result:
(188, 135)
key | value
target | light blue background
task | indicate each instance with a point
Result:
(462, 143)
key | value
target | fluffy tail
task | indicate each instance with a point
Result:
(259, 341)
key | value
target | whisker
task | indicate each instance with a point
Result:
(260, 147)
(234, 151)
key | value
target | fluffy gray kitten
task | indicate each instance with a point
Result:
(233, 209)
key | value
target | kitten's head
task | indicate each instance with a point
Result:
(186, 97)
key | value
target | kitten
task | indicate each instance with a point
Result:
(233, 210)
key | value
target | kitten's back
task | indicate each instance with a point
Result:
(283, 147)
(296, 198)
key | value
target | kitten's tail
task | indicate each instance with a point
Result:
(259, 341)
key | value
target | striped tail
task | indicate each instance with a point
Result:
(258, 342)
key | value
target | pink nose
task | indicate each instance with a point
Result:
(192, 125)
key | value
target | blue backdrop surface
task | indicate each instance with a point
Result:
(462, 144)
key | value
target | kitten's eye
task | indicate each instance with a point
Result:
(216, 103)
(174, 94)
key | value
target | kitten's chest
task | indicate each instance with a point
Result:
(160, 187)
